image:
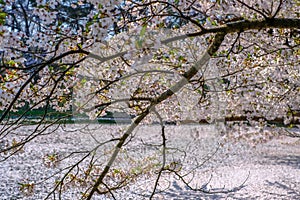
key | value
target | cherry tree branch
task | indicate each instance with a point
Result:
(232, 27)
(40, 67)
(187, 76)
(164, 146)
(251, 8)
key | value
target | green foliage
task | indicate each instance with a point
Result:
(2, 17)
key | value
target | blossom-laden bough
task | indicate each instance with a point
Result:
(156, 61)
